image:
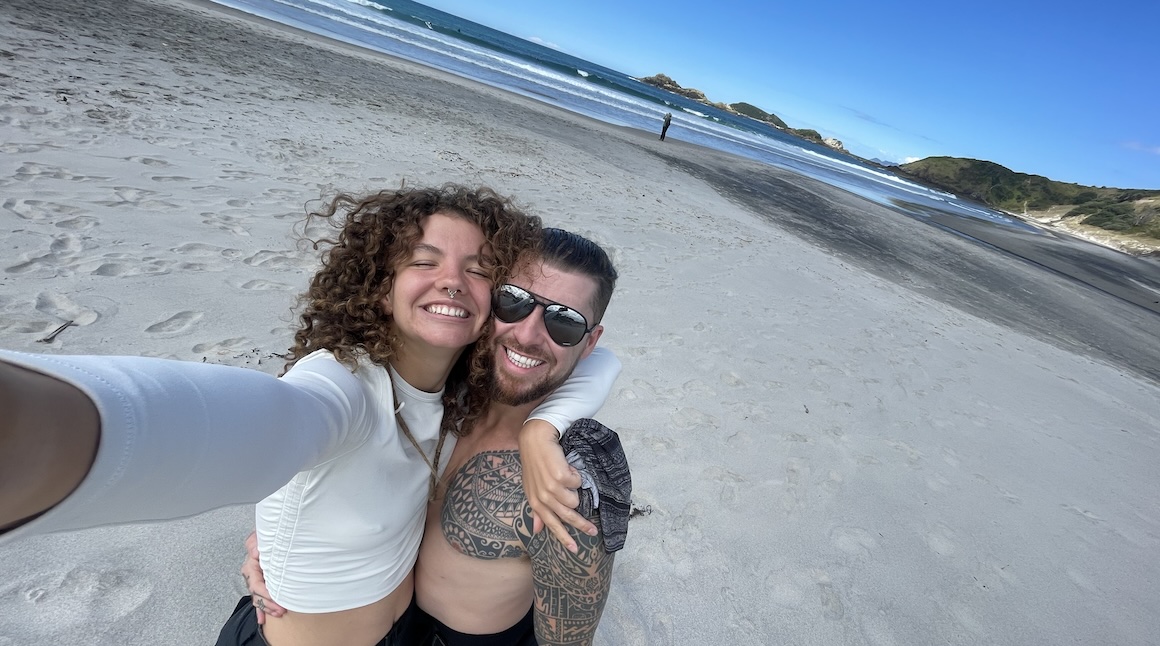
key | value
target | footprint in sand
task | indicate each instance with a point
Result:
(265, 285)
(797, 480)
(31, 171)
(657, 443)
(180, 322)
(127, 195)
(783, 591)
(854, 541)
(198, 249)
(950, 457)
(39, 210)
(225, 223)
(63, 247)
(937, 482)
(687, 527)
(831, 600)
(732, 379)
(687, 418)
(1008, 496)
(913, 455)
(965, 617)
(228, 346)
(1084, 514)
(111, 265)
(79, 223)
(65, 309)
(729, 482)
(941, 540)
(149, 161)
(274, 260)
(18, 148)
(818, 386)
(81, 597)
(24, 326)
(239, 175)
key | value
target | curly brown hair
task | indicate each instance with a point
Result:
(341, 311)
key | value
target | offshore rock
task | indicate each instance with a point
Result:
(665, 83)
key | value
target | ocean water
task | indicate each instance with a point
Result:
(431, 37)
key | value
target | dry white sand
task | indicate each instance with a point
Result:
(829, 457)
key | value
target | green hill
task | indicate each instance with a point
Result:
(1125, 210)
(755, 112)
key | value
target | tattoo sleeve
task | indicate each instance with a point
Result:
(570, 589)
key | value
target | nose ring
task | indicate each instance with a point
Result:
(452, 292)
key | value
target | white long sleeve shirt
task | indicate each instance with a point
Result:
(343, 526)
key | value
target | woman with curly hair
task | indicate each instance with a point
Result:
(349, 439)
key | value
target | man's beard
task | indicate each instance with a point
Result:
(518, 393)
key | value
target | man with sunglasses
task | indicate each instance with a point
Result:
(484, 577)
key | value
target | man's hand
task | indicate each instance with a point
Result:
(256, 582)
(550, 483)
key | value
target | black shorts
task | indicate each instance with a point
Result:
(421, 629)
(242, 627)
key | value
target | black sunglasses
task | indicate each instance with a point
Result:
(565, 325)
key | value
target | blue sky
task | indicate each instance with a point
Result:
(1065, 89)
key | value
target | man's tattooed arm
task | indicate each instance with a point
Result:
(570, 589)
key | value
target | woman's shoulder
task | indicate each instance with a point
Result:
(366, 379)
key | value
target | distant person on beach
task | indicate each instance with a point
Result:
(483, 576)
(405, 287)
(665, 126)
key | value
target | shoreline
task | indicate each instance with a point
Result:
(1131, 245)
(1055, 220)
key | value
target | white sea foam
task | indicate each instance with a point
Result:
(574, 92)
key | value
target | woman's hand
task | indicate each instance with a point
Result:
(256, 582)
(550, 483)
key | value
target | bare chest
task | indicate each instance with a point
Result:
(485, 513)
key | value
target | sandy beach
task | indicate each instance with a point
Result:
(845, 427)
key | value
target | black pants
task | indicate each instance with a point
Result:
(242, 627)
(421, 629)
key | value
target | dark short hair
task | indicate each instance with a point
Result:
(573, 252)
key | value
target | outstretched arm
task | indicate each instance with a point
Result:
(49, 432)
(96, 440)
(570, 588)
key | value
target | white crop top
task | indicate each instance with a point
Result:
(180, 438)
(346, 533)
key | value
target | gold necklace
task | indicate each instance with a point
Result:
(433, 466)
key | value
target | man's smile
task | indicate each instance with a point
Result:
(520, 360)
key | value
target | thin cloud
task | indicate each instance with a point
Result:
(866, 117)
(878, 122)
(1136, 145)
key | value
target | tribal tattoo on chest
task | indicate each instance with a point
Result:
(485, 513)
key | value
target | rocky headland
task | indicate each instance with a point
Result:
(666, 83)
(1125, 219)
